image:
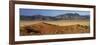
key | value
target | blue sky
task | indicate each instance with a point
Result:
(45, 12)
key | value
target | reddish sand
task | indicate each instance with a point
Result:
(45, 28)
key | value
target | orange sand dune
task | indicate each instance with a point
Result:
(43, 28)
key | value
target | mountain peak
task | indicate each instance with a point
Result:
(71, 14)
(37, 15)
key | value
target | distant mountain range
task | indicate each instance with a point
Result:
(67, 16)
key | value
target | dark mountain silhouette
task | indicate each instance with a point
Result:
(67, 16)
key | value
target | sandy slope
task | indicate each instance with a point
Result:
(43, 28)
